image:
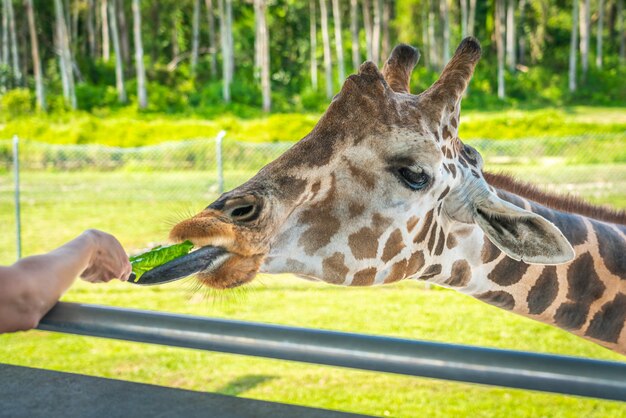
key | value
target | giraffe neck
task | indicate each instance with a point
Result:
(586, 296)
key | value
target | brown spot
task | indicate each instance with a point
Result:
(393, 246)
(432, 270)
(444, 193)
(334, 269)
(489, 252)
(451, 241)
(416, 262)
(294, 266)
(433, 236)
(607, 324)
(428, 219)
(446, 133)
(364, 277)
(612, 249)
(571, 316)
(543, 293)
(440, 242)
(355, 209)
(584, 285)
(364, 177)
(413, 220)
(398, 272)
(508, 272)
(364, 242)
(322, 224)
(315, 188)
(461, 274)
(498, 298)
(452, 169)
(454, 122)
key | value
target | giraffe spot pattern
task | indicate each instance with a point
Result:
(355, 209)
(411, 223)
(398, 272)
(393, 246)
(444, 193)
(440, 243)
(364, 242)
(612, 249)
(334, 269)
(508, 272)
(364, 277)
(433, 236)
(431, 271)
(608, 323)
(544, 292)
(498, 298)
(571, 315)
(322, 224)
(366, 178)
(416, 262)
(290, 187)
(461, 274)
(452, 169)
(572, 226)
(451, 241)
(489, 251)
(428, 219)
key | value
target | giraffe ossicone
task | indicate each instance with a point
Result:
(383, 189)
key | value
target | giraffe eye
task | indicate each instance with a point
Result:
(415, 181)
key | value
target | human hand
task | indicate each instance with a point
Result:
(108, 260)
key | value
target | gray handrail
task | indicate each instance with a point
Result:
(523, 370)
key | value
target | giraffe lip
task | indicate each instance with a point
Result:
(203, 259)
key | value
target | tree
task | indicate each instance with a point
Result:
(573, 47)
(386, 47)
(119, 68)
(376, 31)
(91, 30)
(328, 69)
(142, 95)
(313, 46)
(263, 51)
(521, 49)
(499, 27)
(13, 41)
(463, 18)
(123, 32)
(195, 37)
(585, 25)
(354, 31)
(367, 25)
(471, 18)
(106, 49)
(65, 59)
(510, 35)
(212, 47)
(338, 40)
(34, 48)
(5, 37)
(599, 34)
(445, 18)
(621, 31)
(225, 11)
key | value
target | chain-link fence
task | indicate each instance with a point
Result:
(138, 193)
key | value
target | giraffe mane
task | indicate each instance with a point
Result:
(562, 202)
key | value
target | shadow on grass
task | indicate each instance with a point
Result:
(243, 384)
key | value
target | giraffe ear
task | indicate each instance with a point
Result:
(522, 235)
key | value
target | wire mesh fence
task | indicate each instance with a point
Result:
(138, 193)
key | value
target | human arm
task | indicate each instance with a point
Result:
(30, 287)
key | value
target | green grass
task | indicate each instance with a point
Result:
(139, 207)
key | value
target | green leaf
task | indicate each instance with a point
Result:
(158, 256)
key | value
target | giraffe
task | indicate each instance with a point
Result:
(382, 189)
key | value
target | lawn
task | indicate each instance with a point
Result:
(139, 208)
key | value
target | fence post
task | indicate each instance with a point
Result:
(218, 157)
(18, 214)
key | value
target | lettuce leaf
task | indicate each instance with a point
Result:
(157, 256)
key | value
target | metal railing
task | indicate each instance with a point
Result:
(515, 369)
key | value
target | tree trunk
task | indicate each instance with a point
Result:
(521, 50)
(5, 35)
(367, 25)
(119, 68)
(585, 25)
(499, 27)
(432, 40)
(313, 36)
(17, 73)
(621, 31)
(231, 43)
(463, 18)
(226, 51)
(386, 49)
(338, 40)
(445, 18)
(34, 48)
(123, 32)
(573, 47)
(471, 18)
(376, 31)
(354, 31)
(106, 49)
(91, 30)
(599, 34)
(142, 96)
(425, 39)
(65, 58)
(262, 41)
(328, 69)
(212, 46)
(510, 35)
(195, 36)
(75, 15)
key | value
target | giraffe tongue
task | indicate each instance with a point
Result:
(202, 259)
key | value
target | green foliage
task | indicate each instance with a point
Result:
(17, 102)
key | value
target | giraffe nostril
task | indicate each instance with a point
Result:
(243, 209)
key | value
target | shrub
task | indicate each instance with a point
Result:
(17, 102)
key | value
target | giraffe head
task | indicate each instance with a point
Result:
(368, 196)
